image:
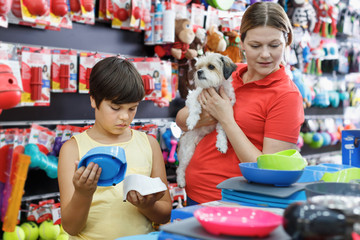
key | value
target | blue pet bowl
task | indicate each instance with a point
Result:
(280, 178)
(112, 161)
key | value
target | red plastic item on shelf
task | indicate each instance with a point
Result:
(36, 7)
(136, 12)
(64, 75)
(36, 83)
(149, 84)
(59, 7)
(122, 14)
(88, 5)
(87, 77)
(5, 6)
(10, 92)
(75, 5)
(16, 8)
(110, 6)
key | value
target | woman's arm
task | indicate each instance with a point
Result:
(156, 207)
(77, 187)
(219, 106)
(205, 119)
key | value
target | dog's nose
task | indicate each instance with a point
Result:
(200, 73)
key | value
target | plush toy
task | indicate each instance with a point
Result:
(326, 13)
(186, 65)
(198, 43)
(303, 18)
(184, 35)
(302, 14)
(187, 78)
(233, 50)
(215, 41)
(305, 91)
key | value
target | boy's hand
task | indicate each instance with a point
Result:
(85, 179)
(143, 202)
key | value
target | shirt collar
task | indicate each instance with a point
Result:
(269, 79)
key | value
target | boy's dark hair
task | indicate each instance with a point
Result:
(117, 80)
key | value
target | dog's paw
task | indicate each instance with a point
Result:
(181, 182)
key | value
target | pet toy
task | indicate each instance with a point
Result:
(31, 230)
(184, 35)
(305, 91)
(233, 50)
(187, 69)
(325, 14)
(5, 7)
(215, 41)
(10, 92)
(302, 14)
(303, 18)
(59, 7)
(212, 70)
(36, 7)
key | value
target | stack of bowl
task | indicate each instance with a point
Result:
(280, 169)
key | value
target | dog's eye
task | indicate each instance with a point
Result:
(211, 67)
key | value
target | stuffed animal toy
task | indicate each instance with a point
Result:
(215, 41)
(184, 35)
(198, 44)
(325, 13)
(302, 14)
(233, 50)
(186, 65)
(212, 70)
(297, 77)
(303, 18)
(188, 68)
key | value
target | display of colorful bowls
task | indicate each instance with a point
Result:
(112, 161)
(332, 188)
(252, 173)
(238, 221)
(289, 159)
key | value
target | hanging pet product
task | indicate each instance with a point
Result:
(10, 92)
(64, 76)
(35, 83)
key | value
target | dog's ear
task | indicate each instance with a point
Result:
(228, 66)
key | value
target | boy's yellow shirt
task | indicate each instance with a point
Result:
(109, 217)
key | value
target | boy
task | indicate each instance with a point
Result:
(92, 212)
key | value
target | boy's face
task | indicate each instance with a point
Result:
(114, 118)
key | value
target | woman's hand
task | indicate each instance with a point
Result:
(143, 202)
(217, 105)
(86, 178)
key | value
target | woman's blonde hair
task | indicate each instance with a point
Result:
(266, 14)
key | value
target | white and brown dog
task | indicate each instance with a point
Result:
(212, 71)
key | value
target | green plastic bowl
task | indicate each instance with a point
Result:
(289, 153)
(345, 175)
(285, 160)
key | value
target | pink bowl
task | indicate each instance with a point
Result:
(238, 221)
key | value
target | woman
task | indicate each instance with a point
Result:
(268, 112)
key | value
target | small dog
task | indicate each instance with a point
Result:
(212, 70)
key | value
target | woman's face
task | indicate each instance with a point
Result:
(264, 49)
